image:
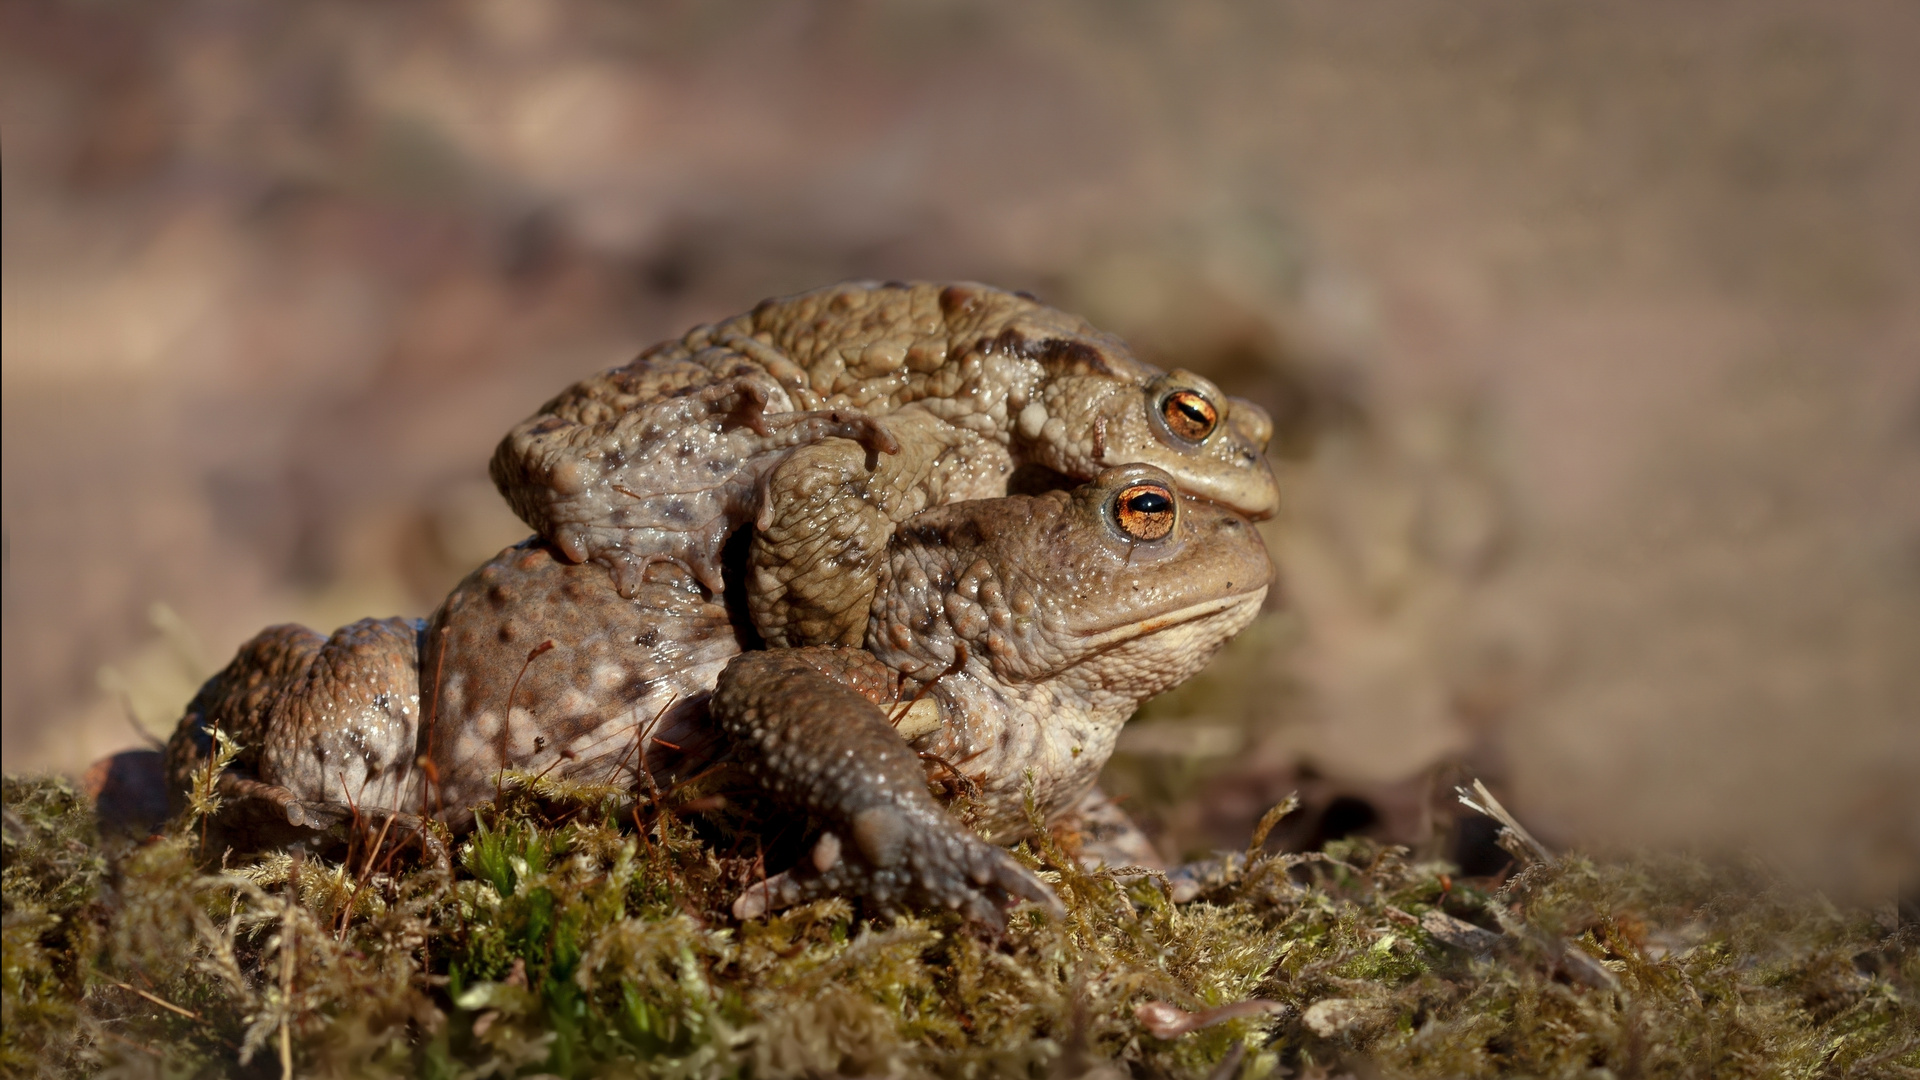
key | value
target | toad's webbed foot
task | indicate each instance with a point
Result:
(272, 800)
(256, 815)
(807, 724)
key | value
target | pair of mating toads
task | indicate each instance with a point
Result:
(826, 476)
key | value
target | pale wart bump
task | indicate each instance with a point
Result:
(1033, 420)
(606, 676)
(568, 479)
(467, 746)
(826, 852)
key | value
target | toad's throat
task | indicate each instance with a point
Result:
(1098, 640)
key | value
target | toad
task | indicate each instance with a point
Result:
(829, 417)
(1008, 638)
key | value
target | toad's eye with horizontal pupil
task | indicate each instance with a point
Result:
(1144, 511)
(1189, 415)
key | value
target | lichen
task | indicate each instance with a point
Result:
(577, 936)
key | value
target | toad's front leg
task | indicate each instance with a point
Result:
(809, 727)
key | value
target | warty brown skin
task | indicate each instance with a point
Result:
(1037, 625)
(334, 726)
(829, 417)
(590, 685)
(1032, 625)
(324, 725)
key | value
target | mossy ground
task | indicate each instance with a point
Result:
(563, 940)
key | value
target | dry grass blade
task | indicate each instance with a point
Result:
(157, 1000)
(1481, 801)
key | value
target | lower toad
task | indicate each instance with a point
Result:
(1008, 638)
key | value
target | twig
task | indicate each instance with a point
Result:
(419, 830)
(354, 831)
(621, 761)
(160, 1001)
(213, 748)
(641, 737)
(641, 830)
(760, 864)
(366, 868)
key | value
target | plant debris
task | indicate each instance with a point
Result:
(577, 933)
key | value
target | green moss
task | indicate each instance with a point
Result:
(53, 867)
(562, 940)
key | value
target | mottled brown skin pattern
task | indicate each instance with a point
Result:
(598, 687)
(1037, 625)
(623, 682)
(818, 738)
(1031, 625)
(324, 725)
(663, 458)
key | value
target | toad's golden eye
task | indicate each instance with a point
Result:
(1189, 415)
(1144, 511)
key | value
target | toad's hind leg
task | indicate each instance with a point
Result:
(807, 725)
(239, 702)
(254, 814)
(326, 730)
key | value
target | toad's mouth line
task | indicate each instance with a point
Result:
(1120, 635)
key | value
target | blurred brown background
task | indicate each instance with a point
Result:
(1593, 332)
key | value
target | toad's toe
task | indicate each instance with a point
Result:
(960, 871)
(779, 891)
(938, 867)
(997, 868)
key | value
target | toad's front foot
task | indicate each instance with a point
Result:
(806, 723)
(898, 857)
